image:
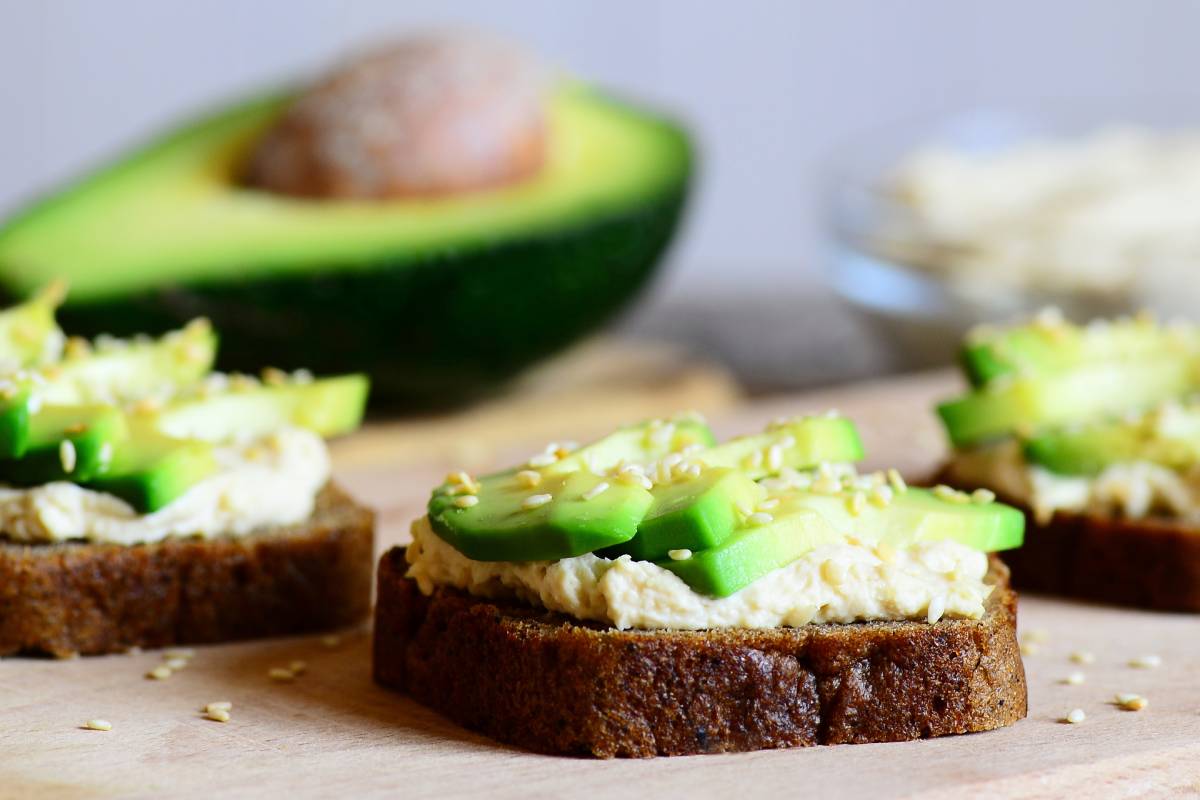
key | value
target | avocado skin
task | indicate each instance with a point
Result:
(431, 332)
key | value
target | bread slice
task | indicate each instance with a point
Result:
(69, 598)
(551, 684)
(1148, 563)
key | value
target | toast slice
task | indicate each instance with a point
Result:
(1149, 563)
(551, 684)
(63, 599)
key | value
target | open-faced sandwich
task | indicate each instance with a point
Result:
(657, 593)
(1095, 432)
(146, 501)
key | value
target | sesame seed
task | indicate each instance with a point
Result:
(753, 460)
(1074, 679)
(857, 503)
(76, 427)
(885, 552)
(1132, 702)
(457, 478)
(881, 496)
(774, 458)
(827, 485)
(298, 667)
(1029, 649)
(1036, 636)
(1083, 657)
(983, 496)
(536, 500)
(937, 608)
(66, 455)
(179, 652)
(466, 501)
(217, 714)
(897, 481)
(597, 490)
(543, 460)
(106, 452)
(759, 518)
(1149, 661)
(682, 554)
(1075, 716)
(273, 376)
(98, 725)
(331, 640)
(219, 705)
(159, 673)
(175, 664)
(949, 494)
(280, 674)
(770, 504)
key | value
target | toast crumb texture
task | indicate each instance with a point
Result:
(1149, 563)
(63, 599)
(547, 683)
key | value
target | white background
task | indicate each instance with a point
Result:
(768, 87)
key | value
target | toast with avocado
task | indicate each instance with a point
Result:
(657, 592)
(147, 501)
(1094, 431)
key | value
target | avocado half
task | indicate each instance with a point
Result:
(440, 300)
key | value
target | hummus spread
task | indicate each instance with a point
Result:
(272, 481)
(848, 582)
(1131, 489)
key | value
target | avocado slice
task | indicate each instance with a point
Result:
(1047, 347)
(72, 443)
(440, 298)
(799, 443)
(329, 406)
(920, 515)
(753, 551)
(581, 512)
(640, 444)
(1169, 436)
(692, 514)
(1080, 395)
(149, 470)
(29, 334)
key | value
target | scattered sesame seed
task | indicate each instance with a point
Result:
(682, 554)
(770, 504)
(1132, 702)
(949, 494)
(753, 460)
(759, 518)
(774, 458)
(1036, 636)
(536, 500)
(66, 455)
(298, 667)
(881, 496)
(897, 481)
(217, 714)
(219, 705)
(1075, 716)
(76, 427)
(827, 485)
(543, 460)
(1083, 657)
(1074, 679)
(466, 501)
(1029, 649)
(1149, 661)
(175, 664)
(273, 376)
(331, 640)
(983, 496)
(159, 673)
(106, 452)
(885, 552)
(529, 478)
(937, 608)
(179, 652)
(597, 490)
(857, 503)
(98, 725)
(281, 674)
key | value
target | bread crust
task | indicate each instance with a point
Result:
(68, 598)
(1149, 563)
(548, 683)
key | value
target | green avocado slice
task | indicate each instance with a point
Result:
(799, 443)
(440, 298)
(641, 444)
(1024, 405)
(577, 517)
(149, 471)
(328, 406)
(71, 443)
(1169, 436)
(1050, 347)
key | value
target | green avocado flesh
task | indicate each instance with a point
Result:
(799, 444)
(439, 299)
(330, 406)
(150, 471)
(29, 334)
(1049, 349)
(92, 431)
(1170, 437)
(1079, 395)
(734, 528)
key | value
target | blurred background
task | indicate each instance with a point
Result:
(781, 99)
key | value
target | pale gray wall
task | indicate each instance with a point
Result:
(769, 87)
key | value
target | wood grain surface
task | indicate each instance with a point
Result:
(332, 733)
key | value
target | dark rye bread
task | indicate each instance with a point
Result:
(62, 599)
(547, 683)
(1147, 563)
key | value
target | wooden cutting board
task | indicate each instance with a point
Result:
(332, 733)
